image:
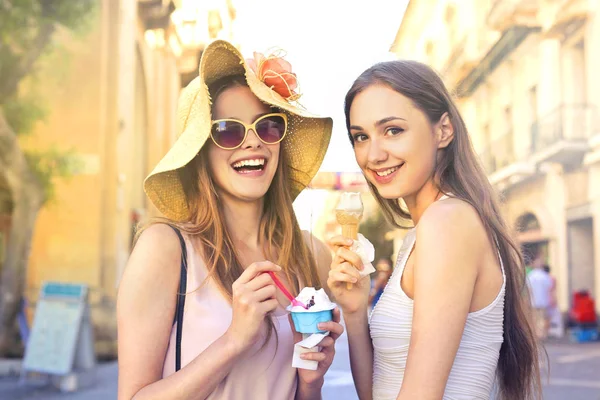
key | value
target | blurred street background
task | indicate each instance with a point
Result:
(573, 376)
(88, 96)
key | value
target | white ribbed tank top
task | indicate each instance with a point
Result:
(474, 370)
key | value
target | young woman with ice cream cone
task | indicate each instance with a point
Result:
(453, 321)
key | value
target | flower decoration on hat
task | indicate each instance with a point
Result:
(276, 73)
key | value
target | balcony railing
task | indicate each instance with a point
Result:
(506, 44)
(567, 124)
(457, 52)
(563, 16)
(499, 154)
(462, 59)
(507, 13)
(156, 14)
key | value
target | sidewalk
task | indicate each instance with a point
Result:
(573, 375)
(10, 367)
(104, 388)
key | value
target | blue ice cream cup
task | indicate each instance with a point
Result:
(307, 321)
(321, 310)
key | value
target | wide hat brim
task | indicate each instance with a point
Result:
(305, 143)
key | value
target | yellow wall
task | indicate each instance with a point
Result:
(114, 105)
(67, 234)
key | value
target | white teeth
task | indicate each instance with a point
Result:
(246, 163)
(386, 172)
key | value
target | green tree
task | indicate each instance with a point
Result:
(27, 29)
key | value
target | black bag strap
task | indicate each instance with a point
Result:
(180, 299)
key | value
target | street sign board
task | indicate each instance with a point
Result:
(61, 337)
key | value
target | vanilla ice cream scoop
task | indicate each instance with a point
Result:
(351, 202)
(316, 300)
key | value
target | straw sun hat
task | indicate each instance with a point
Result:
(305, 143)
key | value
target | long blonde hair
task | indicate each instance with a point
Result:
(282, 240)
(459, 172)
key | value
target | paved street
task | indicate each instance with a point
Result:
(105, 388)
(574, 371)
(574, 375)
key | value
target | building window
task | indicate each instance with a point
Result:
(528, 222)
(533, 103)
(429, 52)
(579, 73)
(450, 19)
(508, 118)
(487, 137)
(533, 112)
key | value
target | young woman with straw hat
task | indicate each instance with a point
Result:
(244, 153)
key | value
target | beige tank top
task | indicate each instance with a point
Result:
(265, 373)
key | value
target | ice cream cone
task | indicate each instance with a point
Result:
(348, 213)
(350, 231)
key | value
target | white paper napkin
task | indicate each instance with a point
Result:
(309, 344)
(366, 251)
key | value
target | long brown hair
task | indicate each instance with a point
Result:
(282, 240)
(459, 172)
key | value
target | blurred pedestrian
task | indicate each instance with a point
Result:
(555, 319)
(540, 290)
(553, 301)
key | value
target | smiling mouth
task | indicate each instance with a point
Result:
(249, 166)
(387, 172)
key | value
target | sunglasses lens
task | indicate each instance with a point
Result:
(271, 129)
(228, 134)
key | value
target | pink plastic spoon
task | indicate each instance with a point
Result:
(295, 303)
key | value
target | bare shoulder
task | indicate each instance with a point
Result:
(452, 222)
(161, 242)
(154, 262)
(159, 234)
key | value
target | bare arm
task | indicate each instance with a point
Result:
(145, 310)
(449, 248)
(354, 304)
(361, 353)
(310, 383)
